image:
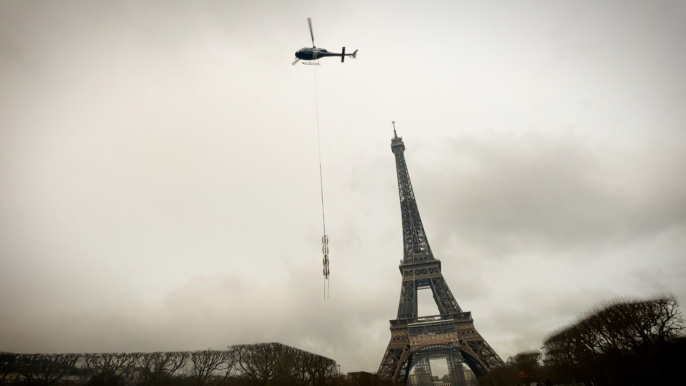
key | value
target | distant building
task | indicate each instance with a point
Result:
(470, 377)
(414, 380)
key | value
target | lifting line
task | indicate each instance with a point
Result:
(325, 238)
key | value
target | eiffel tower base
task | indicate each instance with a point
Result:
(415, 341)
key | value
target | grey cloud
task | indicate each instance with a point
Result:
(535, 190)
(160, 184)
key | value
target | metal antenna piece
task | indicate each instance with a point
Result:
(325, 251)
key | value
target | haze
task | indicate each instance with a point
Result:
(160, 181)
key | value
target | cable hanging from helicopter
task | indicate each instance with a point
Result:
(311, 56)
(325, 238)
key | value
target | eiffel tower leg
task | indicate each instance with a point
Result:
(394, 364)
(407, 307)
(455, 369)
(444, 298)
(422, 371)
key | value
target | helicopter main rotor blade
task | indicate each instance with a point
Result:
(295, 61)
(309, 22)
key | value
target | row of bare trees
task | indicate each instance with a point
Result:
(624, 342)
(265, 364)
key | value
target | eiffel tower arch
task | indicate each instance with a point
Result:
(450, 334)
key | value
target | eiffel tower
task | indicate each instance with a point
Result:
(416, 340)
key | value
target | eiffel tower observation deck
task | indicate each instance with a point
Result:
(417, 340)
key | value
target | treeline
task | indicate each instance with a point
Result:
(256, 364)
(619, 343)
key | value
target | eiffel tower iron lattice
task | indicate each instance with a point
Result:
(451, 334)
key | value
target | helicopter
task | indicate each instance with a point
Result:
(314, 53)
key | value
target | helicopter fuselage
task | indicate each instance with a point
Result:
(314, 53)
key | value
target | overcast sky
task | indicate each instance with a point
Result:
(160, 183)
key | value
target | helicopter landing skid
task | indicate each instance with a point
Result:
(312, 63)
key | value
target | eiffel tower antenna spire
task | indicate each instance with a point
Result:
(416, 340)
(416, 246)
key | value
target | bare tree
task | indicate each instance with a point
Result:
(260, 362)
(110, 369)
(212, 364)
(278, 364)
(270, 364)
(45, 369)
(159, 367)
(527, 365)
(322, 369)
(616, 342)
(7, 364)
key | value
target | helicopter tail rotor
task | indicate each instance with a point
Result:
(343, 55)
